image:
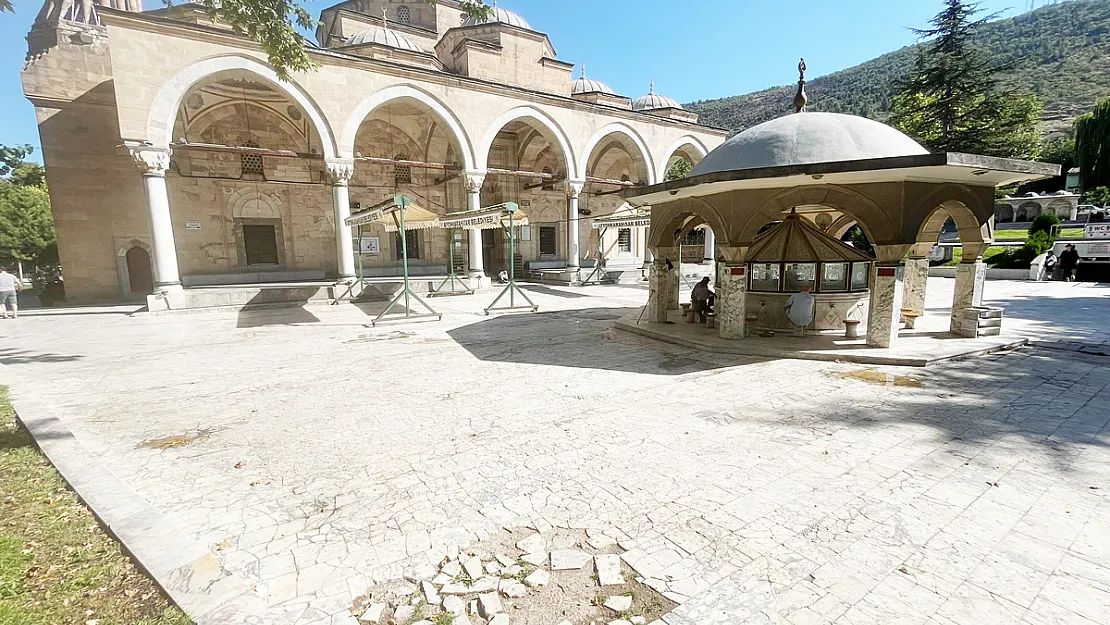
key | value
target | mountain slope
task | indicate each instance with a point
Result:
(1060, 52)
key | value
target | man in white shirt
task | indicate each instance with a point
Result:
(800, 308)
(8, 286)
(701, 297)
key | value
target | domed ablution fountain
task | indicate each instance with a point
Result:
(780, 196)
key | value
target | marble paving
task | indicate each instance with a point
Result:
(325, 455)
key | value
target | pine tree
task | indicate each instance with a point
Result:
(1092, 146)
(952, 102)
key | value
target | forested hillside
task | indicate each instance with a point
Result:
(1060, 52)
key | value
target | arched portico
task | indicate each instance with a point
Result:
(614, 156)
(168, 100)
(533, 117)
(407, 92)
(631, 138)
(688, 147)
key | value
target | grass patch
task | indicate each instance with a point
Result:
(958, 254)
(1021, 235)
(56, 564)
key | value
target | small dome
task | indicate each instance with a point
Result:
(797, 240)
(807, 138)
(654, 101)
(383, 37)
(589, 85)
(499, 15)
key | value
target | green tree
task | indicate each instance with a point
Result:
(273, 24)
(1099, 196)
(680, 169)
(1045, 222)
(1092, 146)
(26, 225)
(951, 101)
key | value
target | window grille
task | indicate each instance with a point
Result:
(547, 240)
(402, 174)
(251, 163)
(404, 15)
(624, 240)
(412, 242)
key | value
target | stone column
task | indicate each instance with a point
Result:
(574, 256)
(970, 279)
(913, 286)
(476, 264)
(885, 306)
(340, 172)
(662, 286)
(710, 245)
(153, 162)
(648, 257)
(732, 294)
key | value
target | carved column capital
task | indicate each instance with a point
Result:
(474, 181)
(151, 161)
(339, 171)
(574, 188)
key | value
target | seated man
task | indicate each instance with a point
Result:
(701, 297)
(800, 308)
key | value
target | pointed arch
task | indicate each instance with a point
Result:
(167, 102)
(621, 129)
(396, 92)
(688, 140)
(531, 114)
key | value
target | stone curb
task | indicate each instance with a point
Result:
(184, 569)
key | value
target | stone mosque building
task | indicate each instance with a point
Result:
(177, 158)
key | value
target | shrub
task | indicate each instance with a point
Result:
(1044, 223)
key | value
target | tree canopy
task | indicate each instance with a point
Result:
(26, 223)
(951, 102)
(1092, 146)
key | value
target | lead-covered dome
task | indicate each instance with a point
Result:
(498, 15)
(383, 37)
(589, 85)
(807, 138)
(653, 101)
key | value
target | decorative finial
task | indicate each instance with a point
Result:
(385, 21)
(583, 70)
(800, 98)
(651, 89)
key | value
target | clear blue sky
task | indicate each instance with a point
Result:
(694, 49)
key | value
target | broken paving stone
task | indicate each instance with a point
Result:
(619, 603)
(563, 542)
(403, 614)
(538, 578)
(474, 607)
(473, 567)
(619, 621)
(535, 559)
(493, 568)
(506, 560)
(489, 604)
(511, 571)
(500, 619)
(424, 571)
(485, 584)
(454, 605)
(431, 595)
(452, 552)
(452, 568)
(532, 544)
(568, 559)
(442, 579)
(541, 526)
(608, 569)
(513, 590)
(638, 620)
(460, 619)
(373, 614)
(454, 589)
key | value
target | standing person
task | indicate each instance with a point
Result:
(1069, 259)
(1050, 262)
(700, 297)
(9, 284)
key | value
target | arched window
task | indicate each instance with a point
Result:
(404, 15)
(251, 163)
(402, 174)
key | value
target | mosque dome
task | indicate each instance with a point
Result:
(383, 37)
(807, 138)
(589, 85)
(653, 101)
(499, 15)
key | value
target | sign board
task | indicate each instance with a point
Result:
(632, 222)
(1098, 231)
(192, 225)
(368, 245)
(363, 218)
(736, 271)
(526, 233)
(477, 221)
(1098, 249)
(887, 272)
